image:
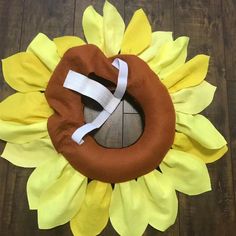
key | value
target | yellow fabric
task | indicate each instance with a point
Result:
(30, 154)
(128, 212)
(195, 99)
(188, 174)
(59, 203)
(190, 74)
(186, 144)
(25, 108)
(138, 34)
(18, 133)
(159, 38)
(113, 29)
(170, 56)
(93, 27)
(94, 213)
(200, 129)
(46, 50)
(43, 177)
(66, 42)
(161, 200)
(24, 72)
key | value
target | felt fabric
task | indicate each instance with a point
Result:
(28, 75)
(25, 108)
(169, 57)
(31, 154)
(128, 211)
(91, 159)
(186, 144)
(61, 200)
(66, 42)
(188, 173)
(200, 129)
(43, 177)
(138, 34)
(21, 133)
(94, 212)
(93, 27)
(46, 50)
(195, 99)
(162, 202)
(113, 30)
(159, 38)
(190, 74)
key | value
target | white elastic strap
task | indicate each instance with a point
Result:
(82, 84)
(90, 88)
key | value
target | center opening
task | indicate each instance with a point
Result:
(123, 128)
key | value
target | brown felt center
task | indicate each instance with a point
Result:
(91, 159)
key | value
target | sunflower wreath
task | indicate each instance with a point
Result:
(57, 189)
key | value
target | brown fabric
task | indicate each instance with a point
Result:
(91, 159)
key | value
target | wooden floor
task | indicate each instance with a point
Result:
(211, 25)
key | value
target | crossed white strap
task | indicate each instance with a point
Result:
(90, 88)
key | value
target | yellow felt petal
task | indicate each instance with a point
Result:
(113, 29)
(25, 108)
(46, 50)
(30, 154)
(190, 74)
(170, 56)
(186, 144)
(188, 174)
(128, 212)
(93, 27)
(43, 177)
(24, 72)
(62, 199)
(195, 99)
(138, 34)
(66, 42)
(200, 129)
(161, 200)
(94, 212)
(19, 133)
(158, 39)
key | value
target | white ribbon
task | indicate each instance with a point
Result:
(90, 88)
